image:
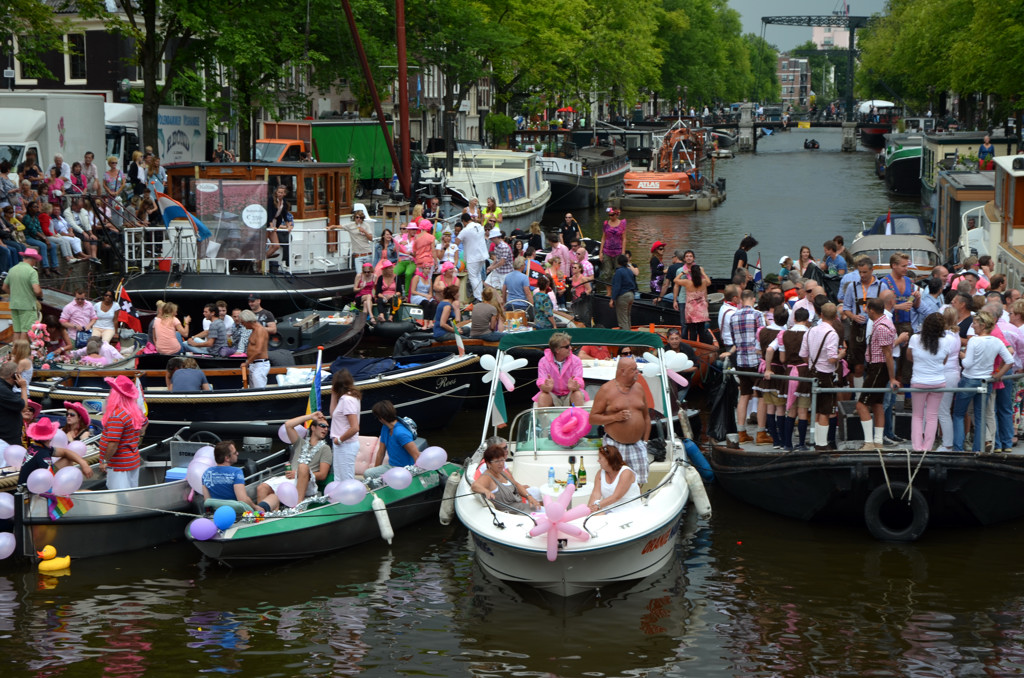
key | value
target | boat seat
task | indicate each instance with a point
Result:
(239, 507)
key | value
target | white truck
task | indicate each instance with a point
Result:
(69, 124)
(181, 132)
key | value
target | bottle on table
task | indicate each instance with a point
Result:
(551, 476)
(581, 477)
(571, 478)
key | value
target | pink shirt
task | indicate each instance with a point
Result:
(812, 343)
(78, 315)
(163, 336)
(339, 417)
(560, 375)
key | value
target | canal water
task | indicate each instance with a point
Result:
(749, 593)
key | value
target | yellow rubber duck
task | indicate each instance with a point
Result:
(50, 561)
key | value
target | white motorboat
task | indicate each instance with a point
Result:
(514, 179)
(635, 540)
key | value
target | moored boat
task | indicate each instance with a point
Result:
(902, 155)
(635, 540)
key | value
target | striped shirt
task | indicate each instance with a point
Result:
(118, 429)
(884, 334)
(743, 326)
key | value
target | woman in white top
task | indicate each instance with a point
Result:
(951, 370)
(616, 482)
(106, 314)
(929, 350)
(979, 361)
(344, 424)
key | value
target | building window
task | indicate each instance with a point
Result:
(74, 59)
(136, 71)
(22, 73)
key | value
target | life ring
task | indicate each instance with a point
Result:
(570, 426)
(890, 518)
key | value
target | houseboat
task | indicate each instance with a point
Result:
(1008, 209)
(902, 155)
(583, 172)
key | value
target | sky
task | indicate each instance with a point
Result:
(787, 37)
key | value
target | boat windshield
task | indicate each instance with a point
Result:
(532, 430)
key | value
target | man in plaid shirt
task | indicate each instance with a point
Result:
(501, 255)
(881, 372)
(743, 325)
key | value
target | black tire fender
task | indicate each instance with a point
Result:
(892, 518)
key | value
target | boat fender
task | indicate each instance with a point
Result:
(698, 495)
(569, 426)
(890, 518)
(698, 459)
(383, 522)
(448, 500)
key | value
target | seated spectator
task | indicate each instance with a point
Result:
(211, 341)
(397, 442)
(497, 484)
(311, 458)
(183, 374)
(97, 352)
(77, 421)
(226, 482)
(167, 330)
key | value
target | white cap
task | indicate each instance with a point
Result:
(783, 260)
(495, 233)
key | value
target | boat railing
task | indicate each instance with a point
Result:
(643, 498)
(982, 389)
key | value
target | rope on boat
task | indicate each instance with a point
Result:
(885, 472)
(908, 493)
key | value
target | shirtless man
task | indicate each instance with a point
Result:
(621, 407)
(256, 351)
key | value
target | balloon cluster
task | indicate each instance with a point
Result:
(202, 460)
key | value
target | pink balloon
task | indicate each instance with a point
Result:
(556, 518)
(14, 455)
(7, 545)
(78, 447)
(351, 492)
(432, 458)
(67, 481)
(6, 505)
(205, 452)
(202, 529)
(678, 378)
(398, 478)
(39, 481)
(60, 439)
(288, 494)
(194, 474)
(507, 381)
(332, 490)
(283, 435)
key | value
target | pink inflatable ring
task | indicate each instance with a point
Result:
(570, 426)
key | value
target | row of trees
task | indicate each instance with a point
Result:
(923, 48)
(557, 51)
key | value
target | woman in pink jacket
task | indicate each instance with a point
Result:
(560, 374)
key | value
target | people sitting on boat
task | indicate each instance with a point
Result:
(785, 266)
(123, 427)
(78, 315)
(77, 421)
(106, 316)
(30, 411)
(448, 276)
(363, 286)
(560, 375)
(385, 290)
(595, 352)
(406, 267)
(183, 374)
(543, 307)
(515, 290)
(534, 239)
(397, 446)
(263, 316)
(448, 315)
(553, 269)
(344, 411)
(211, 341)
(569, 229)
(617, 483)
(13, 396)
(421, 293)
(384, 249)
(491, 216)
(310, 461)
(96, 352)
(226, 482)
(621, 407)
(21, 356)
(58, 341)
(256, 359)
(239, 332)
(501, 259)
(497, 484)
(41, 453)
(447, 252)
(488, 319)
(560, 252)
(582, 302)
(166, 330)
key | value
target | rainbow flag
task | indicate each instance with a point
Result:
(57, 506)
(313, 405)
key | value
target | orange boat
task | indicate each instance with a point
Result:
(678, 159)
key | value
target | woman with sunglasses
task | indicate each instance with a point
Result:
(77, 418)
(106, 314)
(310, 460)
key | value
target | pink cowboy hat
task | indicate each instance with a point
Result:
(31, 254)
(80, 410)
(42, 430)
(123, 385)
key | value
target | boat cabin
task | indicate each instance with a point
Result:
(960, 228)
(923, 254)
(945, 151)
(1009, 208)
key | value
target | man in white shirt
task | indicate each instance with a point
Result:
(58, 162)
(474, 244)
(730, 304)
(807, 301)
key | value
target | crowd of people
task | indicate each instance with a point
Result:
(929, 332)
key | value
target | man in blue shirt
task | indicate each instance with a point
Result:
(834, 263)
(855, 302)
(623, 291)
(516, 287)
(930, 303)
(396, 440)
(226, 482)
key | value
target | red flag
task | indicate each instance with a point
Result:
(888, 222)
(127, 313)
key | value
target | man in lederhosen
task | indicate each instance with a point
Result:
(822, 351)
(858, 293)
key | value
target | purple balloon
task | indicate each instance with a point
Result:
(283, 435)
(39, 481)
(6, 505)
(67, 481)
(60, 439)
(398, 478)
(195, 472)
(352, 492)
(432, 458)
(202, 529)
(288, 493)
(14, 455)
(78, 447)
(6, 544)
(332, 490)
(205, 453)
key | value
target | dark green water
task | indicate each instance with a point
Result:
(750, 594)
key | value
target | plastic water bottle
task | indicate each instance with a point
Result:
(551, 476)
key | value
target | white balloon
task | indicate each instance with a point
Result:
(39, 481)
(7, 544)
(67, 481)
(288, 494)
(14, 456)
(6, 505)
(60, 439)
(205, 452)
(487, 361)
(397, 478)
(432, 458)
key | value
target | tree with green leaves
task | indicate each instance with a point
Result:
(38, 30)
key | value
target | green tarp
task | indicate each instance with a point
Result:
(582, 337)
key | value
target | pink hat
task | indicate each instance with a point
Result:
(413, 225)
(123, 385)
(387, 263)
(79, 409)
(31, 254)
(42, 430)
(447, 266)
(36, 408)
